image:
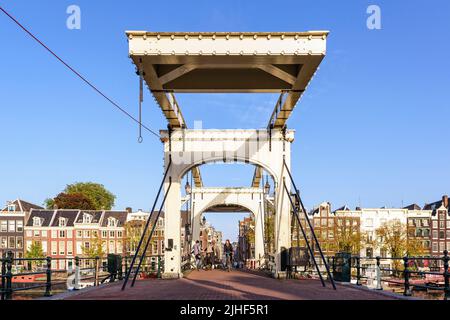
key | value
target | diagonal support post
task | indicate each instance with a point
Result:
(151, 233)
(127, 276)
(311, 252)
(311, 227)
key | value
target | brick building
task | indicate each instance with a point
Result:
(12, 220)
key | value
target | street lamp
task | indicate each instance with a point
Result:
(188, 188)
(204, 220)
(267, 188)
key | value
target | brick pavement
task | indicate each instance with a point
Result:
(221, 285)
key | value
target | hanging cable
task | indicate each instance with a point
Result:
(141, 99)
(77, 73)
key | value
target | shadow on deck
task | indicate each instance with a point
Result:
(221, 285)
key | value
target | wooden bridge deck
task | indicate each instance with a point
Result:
(221, 285)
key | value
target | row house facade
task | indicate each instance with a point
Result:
(70, 233)
(12, 221)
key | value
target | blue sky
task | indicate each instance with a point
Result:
(372, 127)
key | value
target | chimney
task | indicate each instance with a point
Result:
(128, 209)
(445, 201)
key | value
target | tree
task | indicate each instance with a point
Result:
(94, 249)
(347, 237)
(35, 252)
(99, 197)
(72, 201)
(133, 233)
(392, 236)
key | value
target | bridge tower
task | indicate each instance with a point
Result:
(226, 62)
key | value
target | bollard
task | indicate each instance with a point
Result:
(96, 271)
(159, 267)
(3, 277)
(378, 274)
(407, 291)
(333, 266)
(77, 274)
(446, 276)
(48, 284)
(358, 271)
(9, 261)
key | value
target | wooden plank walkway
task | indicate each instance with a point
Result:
(221, 285)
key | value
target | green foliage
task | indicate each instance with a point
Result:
(87, 194)
(35, 252)
(95, 248)
(72, 201)
(133, 231)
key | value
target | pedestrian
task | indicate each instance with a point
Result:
(197, 254)
(214, 253)
(228, 250)
(209, 255)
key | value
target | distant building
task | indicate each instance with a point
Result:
(440, 226)
(69, 233)
(12, 220)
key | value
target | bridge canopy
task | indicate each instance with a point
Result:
(234, 62)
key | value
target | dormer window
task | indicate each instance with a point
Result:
(11, 207)
(37, 222)
(62, 222)
(112, 222)
(87, 218)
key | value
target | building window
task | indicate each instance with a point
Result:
(441, 216)
(4, 243)
(425, 222)
(19, 226)
(369, 223)
(87, 234)
(112, 222)
(112, 234)
(54, 248)
(19, 243)
(37, 222)
(54, 234)
(62, 233)
(62, 250)
(62, 222)
(441, 234)
(44, 233)
(69, 248)
(441, 246)
(120, 234)
(119, 247)
(11, 226)
(435, 224)
(111, 247)
(435, 234)
(442, 224)
(104, 234)
(79, 233)
(11, 242)
(324, 222)
(69, 233)
(435, 247)
(95, 233)
(4, 226)
(87, 245)
(369, 252)
(11, 207)
(87, 218)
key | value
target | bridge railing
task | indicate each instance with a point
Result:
(405, 273)
(31, 276)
